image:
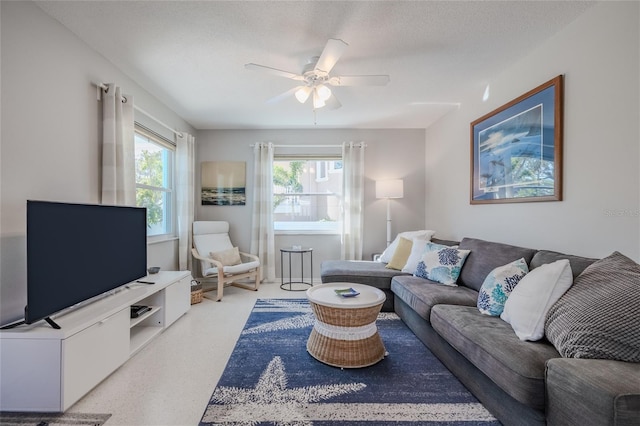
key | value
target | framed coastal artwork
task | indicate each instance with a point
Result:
(223, 183)
(516, 150)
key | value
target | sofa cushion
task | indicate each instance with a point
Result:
(485, 256)
(367, 272)
(599, 316)
(578, 263)
(527, 306)
(489, 343)
(498, 285)
(422, 294)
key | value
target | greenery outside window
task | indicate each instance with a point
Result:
(307, 194)
(154, 158)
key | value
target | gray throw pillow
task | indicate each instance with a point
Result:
(599, 316)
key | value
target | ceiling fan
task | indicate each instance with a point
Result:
(315, 77)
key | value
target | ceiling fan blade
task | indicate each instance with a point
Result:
(360, 80)
(274, 71)
(333, 102)
(282, 96)
(330, 55)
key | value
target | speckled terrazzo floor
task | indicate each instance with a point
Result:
(170, 381)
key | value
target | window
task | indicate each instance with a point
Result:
(321, 171)
(154, 180)
(307, 194)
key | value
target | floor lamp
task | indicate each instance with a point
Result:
(389, 189)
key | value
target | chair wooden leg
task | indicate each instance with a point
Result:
(246, 286)
(258, 272)
(220, 286)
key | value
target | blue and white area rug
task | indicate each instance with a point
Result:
(270, 379)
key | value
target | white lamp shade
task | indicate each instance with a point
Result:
(389, 188)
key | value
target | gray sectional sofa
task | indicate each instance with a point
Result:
(519, 382)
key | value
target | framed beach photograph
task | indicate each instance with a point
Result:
(516, 150)
(223, 183)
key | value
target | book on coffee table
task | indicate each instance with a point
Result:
(346, 292)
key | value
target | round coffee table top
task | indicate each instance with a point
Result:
(325, 295)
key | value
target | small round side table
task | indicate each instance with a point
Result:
(290, 282)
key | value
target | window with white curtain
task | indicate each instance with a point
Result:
(154, 158)
(307, 194)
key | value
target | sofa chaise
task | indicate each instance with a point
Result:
(521, 382)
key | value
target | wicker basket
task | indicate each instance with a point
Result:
(196, 293)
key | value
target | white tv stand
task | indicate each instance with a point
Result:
(48, 370)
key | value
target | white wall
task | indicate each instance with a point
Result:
(390, 154)
(51, 132)
(599, 56)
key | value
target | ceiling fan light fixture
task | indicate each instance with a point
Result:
(323, 92)
(302, 94)
(315, 77)
(318, 102)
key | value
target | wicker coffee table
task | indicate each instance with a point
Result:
(345, 333)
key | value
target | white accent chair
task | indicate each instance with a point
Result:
(213, 237)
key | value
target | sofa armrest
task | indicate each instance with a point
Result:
(592, 391)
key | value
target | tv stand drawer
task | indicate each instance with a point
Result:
(94, 353)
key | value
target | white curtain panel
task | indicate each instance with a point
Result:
(353, 200)
(118, 150)
(185, 170)
(262, 239)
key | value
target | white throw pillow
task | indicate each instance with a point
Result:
(409, 235)
(417, 250)
(529, 302)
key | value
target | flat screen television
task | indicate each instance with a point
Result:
(78, 251)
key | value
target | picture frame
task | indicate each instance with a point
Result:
(516, 150)
(223, 183)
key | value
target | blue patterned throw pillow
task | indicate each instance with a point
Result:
(420, 247)
(441, 264)
(497, 286)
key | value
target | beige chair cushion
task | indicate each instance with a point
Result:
(227, 257)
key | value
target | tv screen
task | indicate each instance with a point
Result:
(79, 251)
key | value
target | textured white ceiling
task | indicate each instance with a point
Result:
(191, 54)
